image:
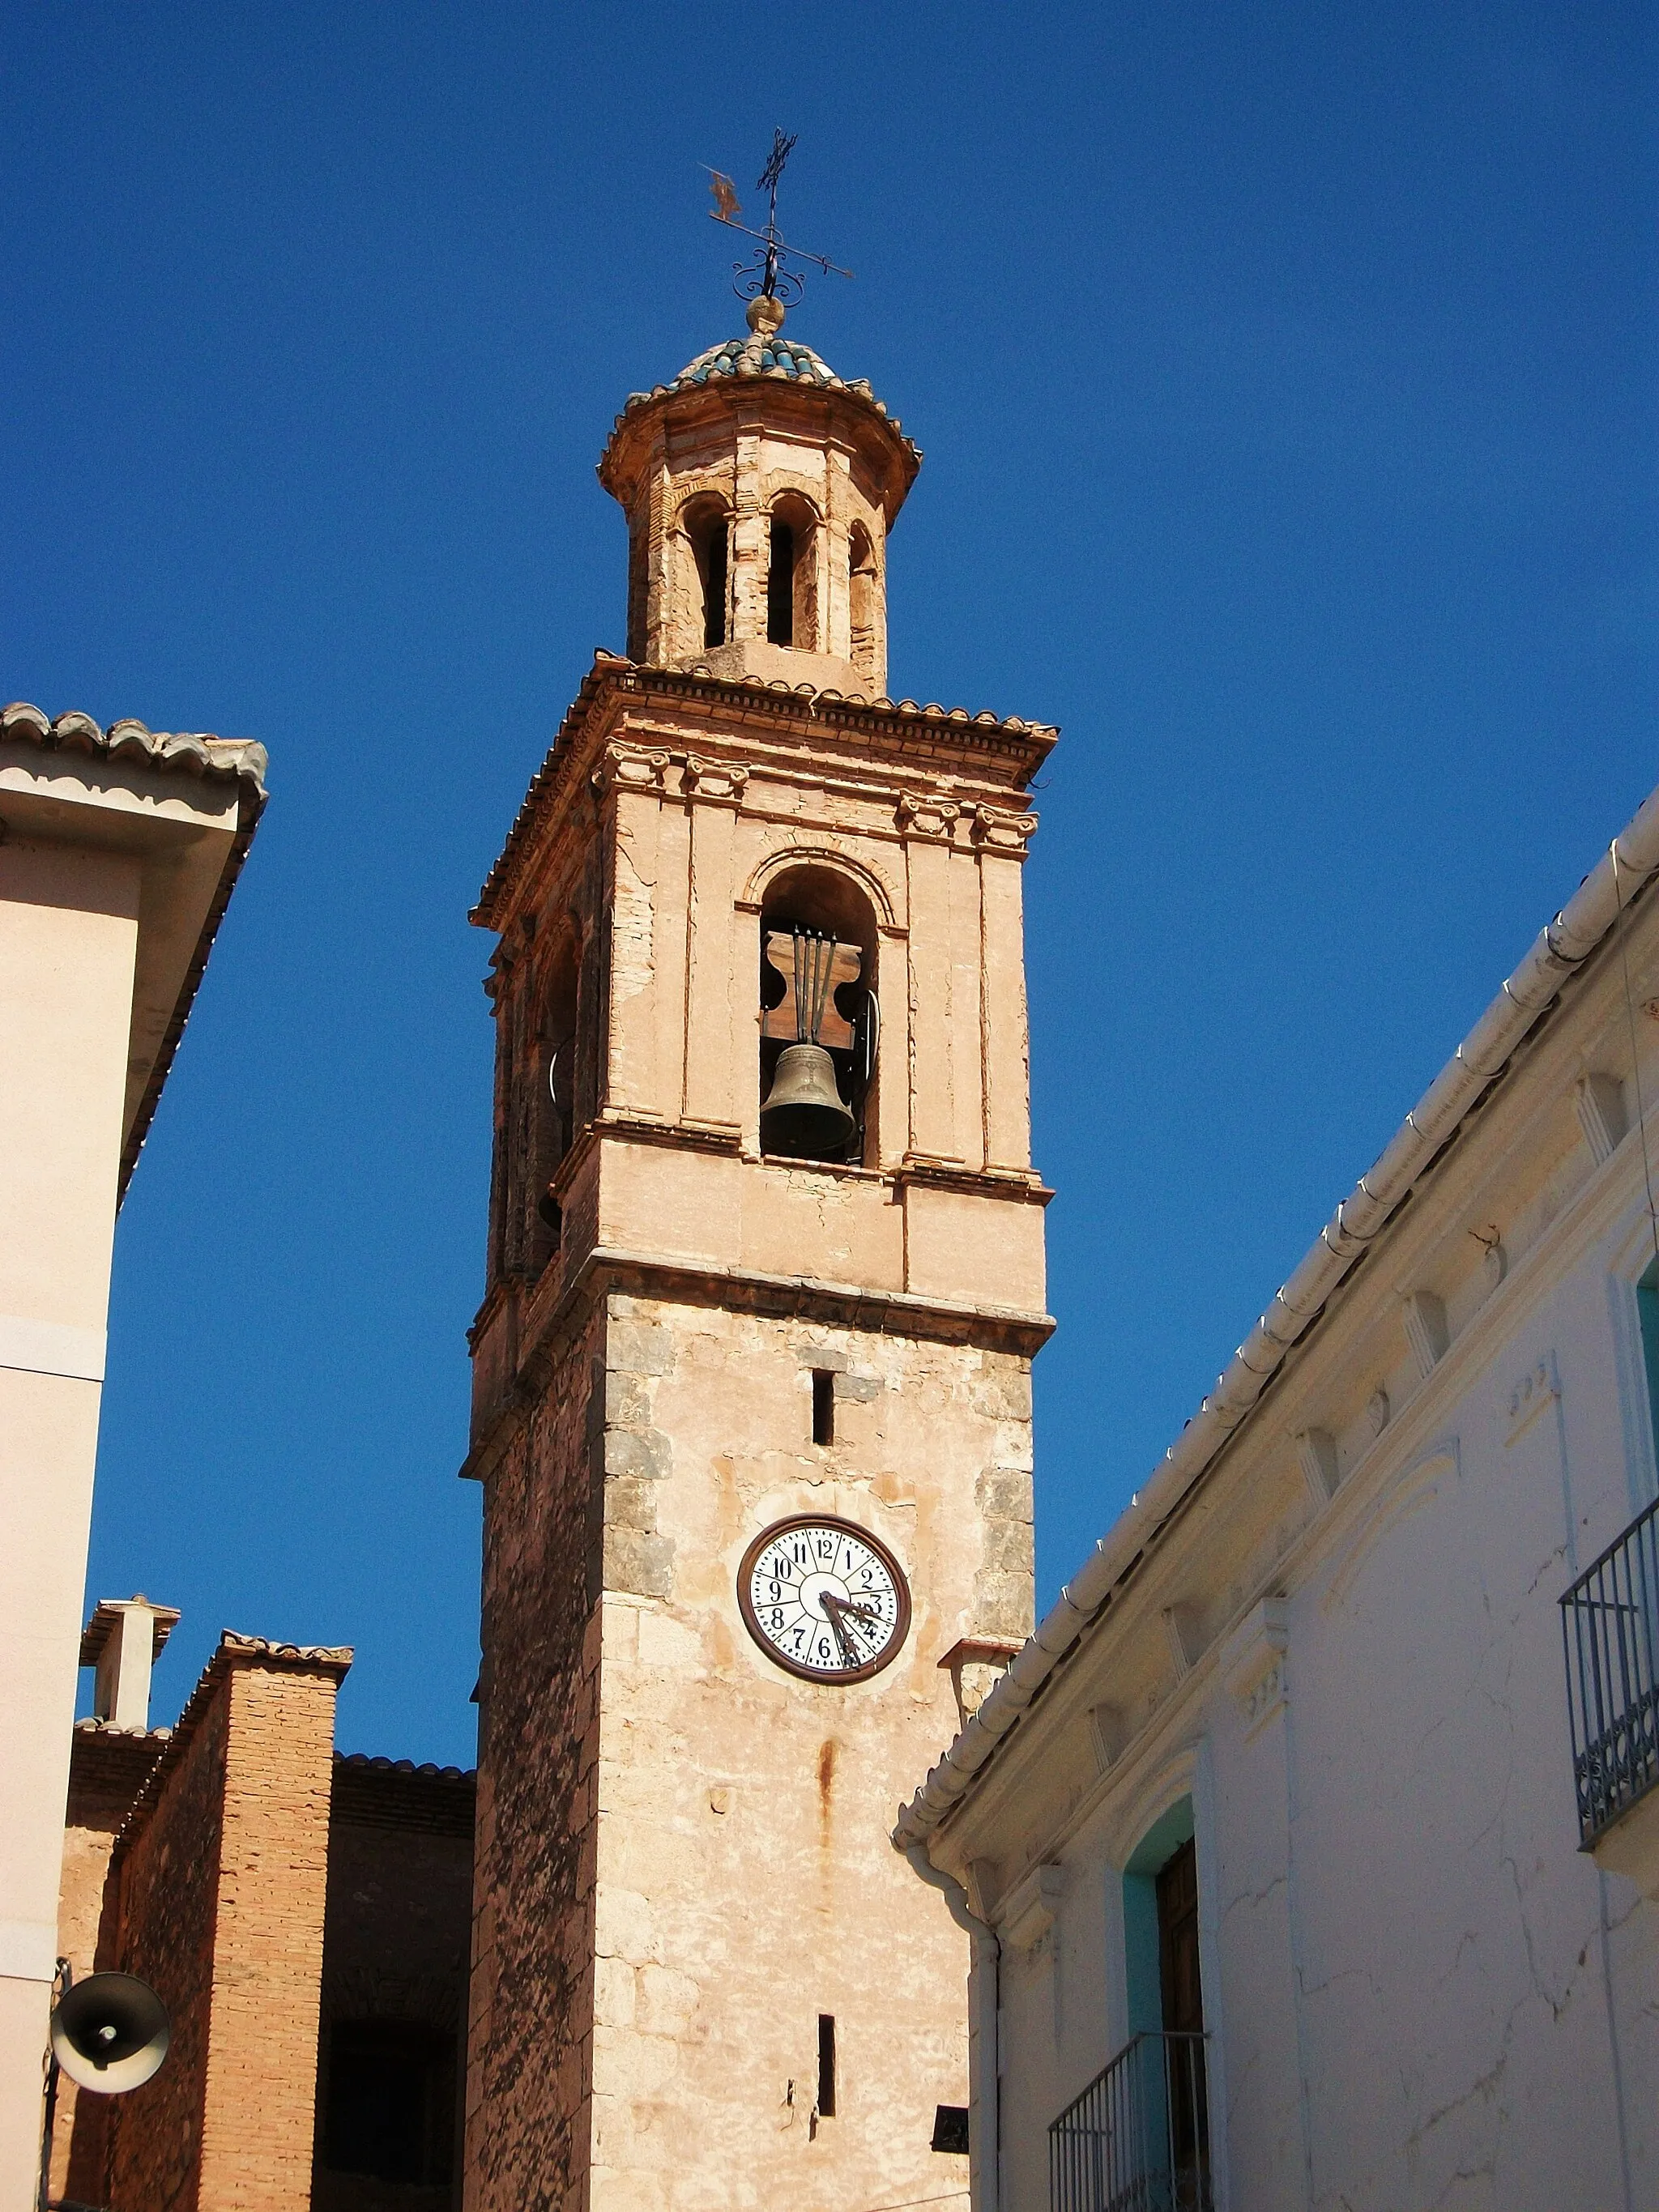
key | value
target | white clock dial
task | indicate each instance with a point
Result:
(825, 1599)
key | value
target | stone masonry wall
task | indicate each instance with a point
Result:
(745, 1882)
(530, 2036)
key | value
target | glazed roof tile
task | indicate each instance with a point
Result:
(785, 359)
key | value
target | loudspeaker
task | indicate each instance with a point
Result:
(109, 2032)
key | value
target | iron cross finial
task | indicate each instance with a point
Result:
(765, 276)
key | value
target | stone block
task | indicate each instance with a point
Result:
(639, 1347)
(637, 1562)
(643, 1452)
(667, 2001)
(1008, 1546)
(627, 1400)
(859, 1388)
(623, 1925)
(630, 1502)
(1002, 1605)
(1004, 1493)
(614, 1993)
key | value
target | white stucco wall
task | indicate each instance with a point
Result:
(1420, 1991)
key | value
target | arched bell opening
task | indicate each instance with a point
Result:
(792, 594)
(819, 1018)
(864, 600)
(550, 1097)
(707, 531)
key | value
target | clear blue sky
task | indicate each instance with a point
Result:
(1285, 374)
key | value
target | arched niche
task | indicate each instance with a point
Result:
(813, 899)
(863, 602)
(792, 573)
(550, 1085)
(706, 530)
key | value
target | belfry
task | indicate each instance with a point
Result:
(751, 1375)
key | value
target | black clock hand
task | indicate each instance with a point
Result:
(835, 1607)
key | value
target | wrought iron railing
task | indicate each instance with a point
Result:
(1610, 1625)
(1138, 2139)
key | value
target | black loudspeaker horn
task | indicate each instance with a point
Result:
(109, 2032)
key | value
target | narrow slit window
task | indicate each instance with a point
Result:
(824, 1432)
(826, 2066)
(713, 588)
(780, 587)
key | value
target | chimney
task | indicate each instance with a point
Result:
(123, 1640)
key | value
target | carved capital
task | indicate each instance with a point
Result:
(630, 768)
(722, 781)
(926, 817)
(999, 831)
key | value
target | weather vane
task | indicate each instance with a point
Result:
(764, 275)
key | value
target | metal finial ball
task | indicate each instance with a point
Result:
(764, 315)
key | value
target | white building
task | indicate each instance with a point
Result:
(1308, 1864)
(119, 848)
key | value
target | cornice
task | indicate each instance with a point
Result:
(911, 736)
(237, 761)
(610, 1269)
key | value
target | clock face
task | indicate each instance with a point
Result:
(825, 1599)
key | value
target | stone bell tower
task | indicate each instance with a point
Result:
(752, 1390)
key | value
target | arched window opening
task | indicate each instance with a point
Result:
(707, 527)
(781, 585)
(820, 1025)
(792, 595)
(552, 1080)
(862, 595)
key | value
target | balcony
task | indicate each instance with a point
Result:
(1610, 1627)
(1138, 2139)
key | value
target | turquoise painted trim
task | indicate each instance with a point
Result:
(1143, 1978)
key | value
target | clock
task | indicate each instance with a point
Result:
(824, 1599)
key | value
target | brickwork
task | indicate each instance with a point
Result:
(395, 1943)
(219, 1878)
(108, 1767)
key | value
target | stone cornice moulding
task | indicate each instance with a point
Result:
(613, 684)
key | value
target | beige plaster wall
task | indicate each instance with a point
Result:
(68, 931)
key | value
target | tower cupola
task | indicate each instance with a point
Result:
(760, 488)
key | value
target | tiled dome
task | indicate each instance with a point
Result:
(772, 355)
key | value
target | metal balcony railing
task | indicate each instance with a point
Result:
(1610, 1626)
(1138, 2139)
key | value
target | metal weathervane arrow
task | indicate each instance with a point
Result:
(765, 275)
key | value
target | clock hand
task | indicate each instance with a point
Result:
(835, 1607)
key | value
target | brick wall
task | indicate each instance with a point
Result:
(396, 1945)
(221, 1875)
(108, 1767)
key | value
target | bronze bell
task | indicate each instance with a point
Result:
(804, 1116)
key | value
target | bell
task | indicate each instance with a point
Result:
(804, 1116)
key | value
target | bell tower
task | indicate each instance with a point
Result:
(753, 1372)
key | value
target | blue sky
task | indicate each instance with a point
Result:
(1285, 374)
